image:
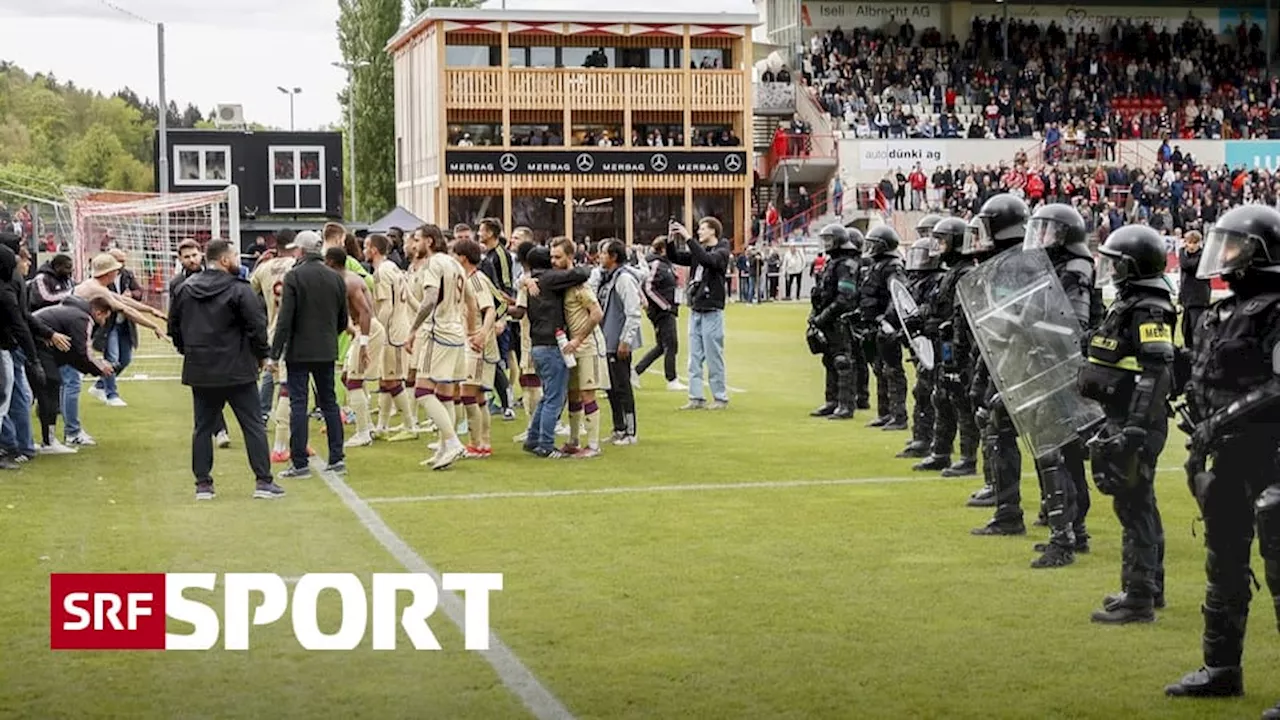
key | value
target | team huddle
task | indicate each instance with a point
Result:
(1004, 319)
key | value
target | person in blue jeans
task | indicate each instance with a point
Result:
(707, 257)
(122, 336)
(541, 296)
(16, 442)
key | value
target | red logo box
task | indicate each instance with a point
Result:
(106, 611)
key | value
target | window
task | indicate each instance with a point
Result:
(201, 164)
(663, 58)
(474, 134)
(586, 57)
(297, 179)
(472, 56)
(551, 134)
(709, 59)
(597, 135)
(533, 57)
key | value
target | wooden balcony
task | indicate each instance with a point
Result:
(596, 89)
(473, 88)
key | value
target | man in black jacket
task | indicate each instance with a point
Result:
(74, 318)
(660, 292)
(52, 283)
(707, 256)
(16, 443)
(219, 327)
(1194, 294)
(15, 333)
(192, 262)
(313, 312)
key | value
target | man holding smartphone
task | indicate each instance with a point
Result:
(707, 256)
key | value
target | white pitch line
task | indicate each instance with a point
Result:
(703, 487)
(730, 388)
(513, 673)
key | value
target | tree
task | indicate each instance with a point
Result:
(94, 158)
(419, 6)
(364, 27)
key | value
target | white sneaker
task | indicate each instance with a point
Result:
(635, 379)
(222, 439)
(562, 429)
(521, 437)
(449, 455)
(81, 439)
(625, 440)
(360, 439)
(676, 386)
(462, 428)
(55, 448)
(97, 392)
(116, 402)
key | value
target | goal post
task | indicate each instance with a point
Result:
(148, 227)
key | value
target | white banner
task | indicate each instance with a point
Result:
(830, 14)
(901, 154)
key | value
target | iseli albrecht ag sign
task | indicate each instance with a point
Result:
(595, 162)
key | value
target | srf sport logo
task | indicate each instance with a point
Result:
(116, 611)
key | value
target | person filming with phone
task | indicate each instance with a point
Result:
(707, 256)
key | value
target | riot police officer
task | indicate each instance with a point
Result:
(998, 227)
(880, 264)
(833, 300)
(1234, 405)
(1059, 230)
(924, 273)
(1130, 372)
(953, 347)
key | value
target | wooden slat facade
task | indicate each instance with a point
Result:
(430, 96)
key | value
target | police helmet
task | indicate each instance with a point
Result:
(921, 257)
(976, 240)
(1243, 239)
(881, 240)
(1057, 228)
(948, 237)
(1134, 255)
(1002, 223)
(925, 225)
(835, 237)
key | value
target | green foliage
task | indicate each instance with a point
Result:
(419, 6)
(51, 132)
(364, 27)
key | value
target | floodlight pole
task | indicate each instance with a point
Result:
(162, 120)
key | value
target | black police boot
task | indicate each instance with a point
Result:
(896, 424)
(1129, 608)
(826, 409)
(915, 449)
(983, 497)
(864, 404)
(1115, 599)
(880, 421)
(1209, 682)
(842, 412)
(1002, 526)
(1082, 539)
(1081, 547)
(965, 466)
(933, 462)
(1056, 555)
(1271, 713)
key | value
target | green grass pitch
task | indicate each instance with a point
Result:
(794, 599)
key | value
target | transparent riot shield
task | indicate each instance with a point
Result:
(906, 307)
(1030, 340)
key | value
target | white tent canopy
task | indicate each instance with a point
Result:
(399, 217)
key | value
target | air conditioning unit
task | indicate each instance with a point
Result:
(229, 116)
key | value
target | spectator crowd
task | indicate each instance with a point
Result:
(1130, 82)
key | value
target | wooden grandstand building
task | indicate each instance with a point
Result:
(590, 125)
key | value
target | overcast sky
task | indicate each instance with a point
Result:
(228, 51)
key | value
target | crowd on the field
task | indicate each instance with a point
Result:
(1129, 82)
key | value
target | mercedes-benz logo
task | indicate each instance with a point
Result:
(732, 162)
(585, 162)
(658, 162)
(508, 162)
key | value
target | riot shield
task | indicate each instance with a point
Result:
(1030, 340)
(906, 307)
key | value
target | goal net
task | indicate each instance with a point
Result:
(148, 227)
